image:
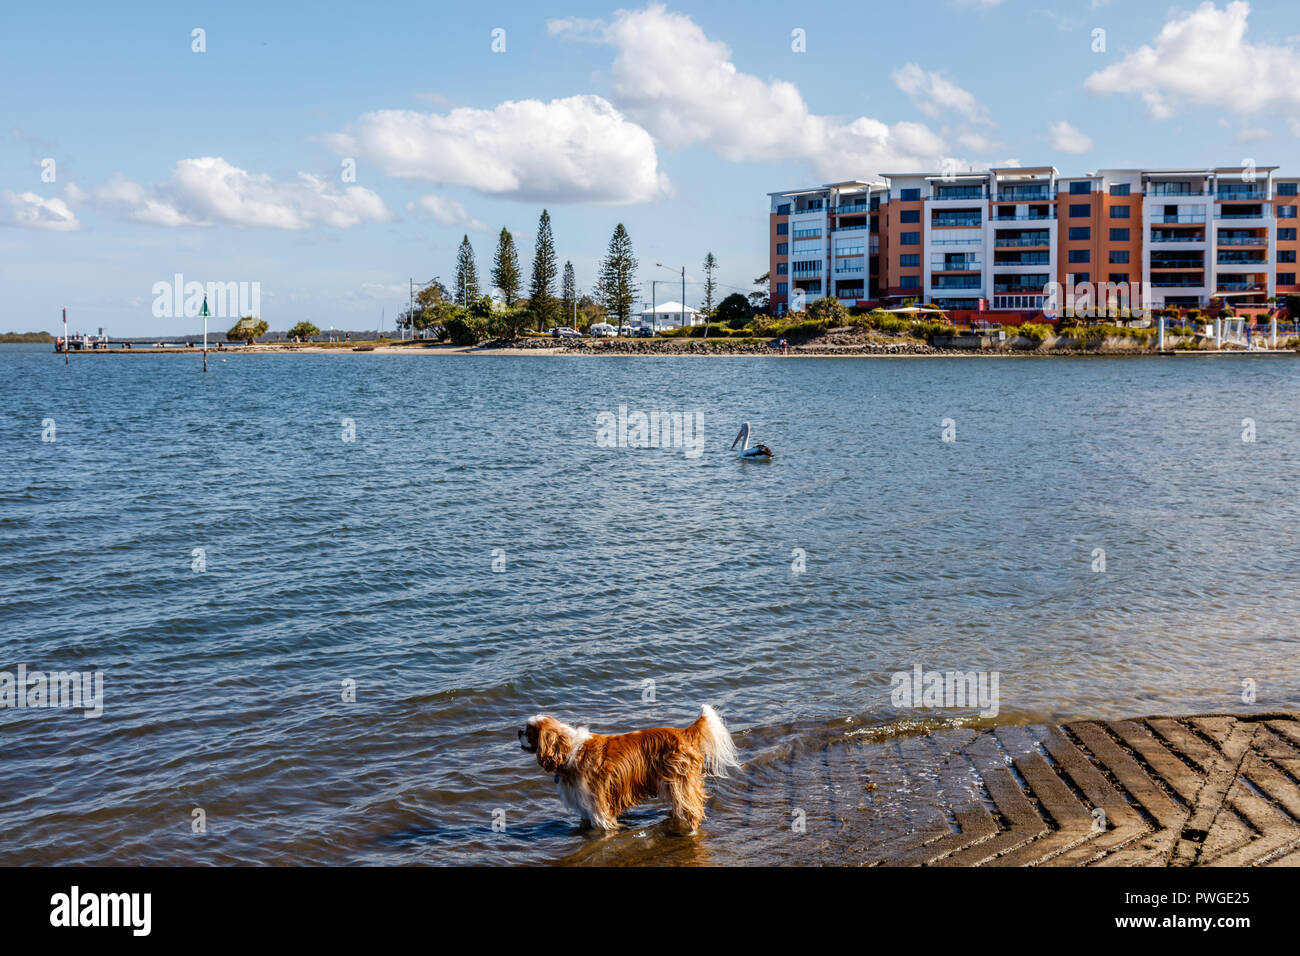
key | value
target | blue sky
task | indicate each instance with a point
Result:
(227, 165)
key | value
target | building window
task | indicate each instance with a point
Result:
(1080, 210)
(910, 261)
(1287, 189)
(909, 195)
(909, 215)
(910, 239)
(782, 228)
(782, 268)
(909, 282)
(1080, 232)
(1286, 234)
(1118, 278)
(782, 248)
(1286, 212)
(1119, 212)
(783, 209)
(1286, 278)
(1081, 277)
(1119, 257)
(1119, 235)
(1081, 189)
(1286, 255)
(782, 288)
(1119, 189)
(1080, 255)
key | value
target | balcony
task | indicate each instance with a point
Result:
(1240, 195)
(1001, 217)
(1247, 285)
(1241, 259)
(955, 263)
(944, 193)
(1024, 194)
(840, 270)
(1243, 240)
(1024, 259)
(1257, 212)
(1177, 263)
(1019, 301)
(852, 209)
(1010, 242)
(956, 282)
(1169, 218)
(941, 220)
(1178, 282)
(964, 241)
(1174, 189)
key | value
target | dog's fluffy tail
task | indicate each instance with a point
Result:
(710, 735)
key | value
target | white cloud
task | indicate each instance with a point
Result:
(700, 97)
(1202, 58)
(30, 211)
(208, 190)
(577, 149)
(1068, 139)
(1255, 135)
(449, 212)
(932, 94)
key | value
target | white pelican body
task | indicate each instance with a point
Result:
(757, 453)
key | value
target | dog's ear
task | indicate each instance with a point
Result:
(552, 746)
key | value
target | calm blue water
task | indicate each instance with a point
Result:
(371, 561)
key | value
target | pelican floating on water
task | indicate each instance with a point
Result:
(757, 453)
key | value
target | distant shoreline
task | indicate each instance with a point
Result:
(815, 348)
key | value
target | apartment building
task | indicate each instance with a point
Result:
(994, 240)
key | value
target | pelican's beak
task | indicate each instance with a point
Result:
(739, 436)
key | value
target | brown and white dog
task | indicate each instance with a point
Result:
(600, 777)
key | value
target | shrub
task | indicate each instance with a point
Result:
(1036, 332)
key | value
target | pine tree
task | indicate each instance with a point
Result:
(617, 286)
(710, 286)
(505, 270)
(568, 294)
(541, 297)
(466, 289)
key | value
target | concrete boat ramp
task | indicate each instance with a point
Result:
(1207, 790)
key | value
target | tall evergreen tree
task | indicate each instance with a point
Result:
(540, 291)
(466, 289)
(568, 294)
(710, 286)
(505, 270)
(617, 285)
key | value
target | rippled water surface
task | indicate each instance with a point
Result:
(330, 561)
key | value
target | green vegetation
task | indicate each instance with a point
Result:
(10, 338)
(1036, 332)
(541, 297)
(734, 311)
(303, 330)
(247, 329)
(505, 269)
(466, 287)
(710, 284)
(617, 286)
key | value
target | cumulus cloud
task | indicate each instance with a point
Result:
(30, 211)
(700, 97)
(449, 212)
(1068, 139)
(1202, 58)
(576, 149)
(932, 94)
(208, 190)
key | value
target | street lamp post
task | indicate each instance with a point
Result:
(683, 319)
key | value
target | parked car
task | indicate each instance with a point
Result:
(625, 330)
(645, 331)
(603, 330)
(564, 332)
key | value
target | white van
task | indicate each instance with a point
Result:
(602, 330)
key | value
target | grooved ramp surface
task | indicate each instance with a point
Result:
(1188, 791)
(1212, 790)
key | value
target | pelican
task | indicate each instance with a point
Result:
(757, 453)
